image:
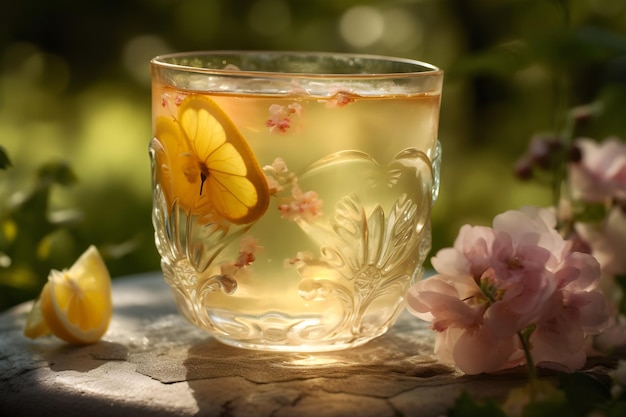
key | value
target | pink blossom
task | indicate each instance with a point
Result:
(439, 301)
(340, 99)
(247, 249)
(295, 109)
(301, 257)
(273, 185)
(476, 351)
(170, 104)
(471, 252)
(562, 329)
(306, 206)
(300, 205)
(281, 117)
(607, 240)
(601, 172)
(278, 175)
(496, 282)
(532, 226)
(279, 166)
(600, 177)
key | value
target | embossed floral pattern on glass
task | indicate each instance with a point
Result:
(294, 219)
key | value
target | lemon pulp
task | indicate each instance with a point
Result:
(74, 305)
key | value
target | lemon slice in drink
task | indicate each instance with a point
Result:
(75, 304)
(207, 166)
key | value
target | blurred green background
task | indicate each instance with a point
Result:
(75, 103)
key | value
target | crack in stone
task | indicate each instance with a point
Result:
(293, 404)
(228, 408)
(7, 373)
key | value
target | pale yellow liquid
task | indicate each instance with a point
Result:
(320, 284)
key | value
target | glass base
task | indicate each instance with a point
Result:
(278, 332)
(299, 348)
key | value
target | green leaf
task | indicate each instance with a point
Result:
(503, 59)
(607, 41)
(538, 398)
(57, 248)
(57, 172)
(584, 393)
(5, 162)
(466, 406)
(552, 407)
(590, 212)
(616, 409)
(621, 282)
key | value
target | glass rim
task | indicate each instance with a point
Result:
(422, 69)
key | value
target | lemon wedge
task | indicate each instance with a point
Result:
(35, 324)
(74, 305)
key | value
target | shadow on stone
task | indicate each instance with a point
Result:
(226, 380)
(82, 358)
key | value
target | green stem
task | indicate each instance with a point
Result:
(524, 337)
(563, 122)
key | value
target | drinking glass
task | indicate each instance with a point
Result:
(292, 191)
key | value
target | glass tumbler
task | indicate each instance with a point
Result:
(292, 192)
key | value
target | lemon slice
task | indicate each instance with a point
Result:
(205, 164)
(35, 324)
(75, 304)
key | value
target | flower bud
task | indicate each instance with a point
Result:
(523, 169)
(542, 150)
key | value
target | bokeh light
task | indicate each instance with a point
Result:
(270, 17)
(78, 90)
(362, 26)
(137, 54)
(402, 32)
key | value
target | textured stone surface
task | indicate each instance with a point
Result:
(153, 363)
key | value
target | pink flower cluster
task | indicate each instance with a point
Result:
(248, 247)
(281, 117)
(340, 99)
(278, 176)
(171, 104)
(600, 175)
(300, 205)
(303, 205)
(496, 283)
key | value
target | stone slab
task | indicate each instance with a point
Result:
(152, 362)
